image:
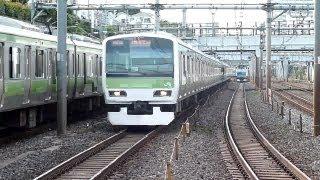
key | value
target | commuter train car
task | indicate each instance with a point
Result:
(242, 74)
(28, 75)
(150, 77)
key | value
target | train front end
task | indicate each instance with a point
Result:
(138, 81)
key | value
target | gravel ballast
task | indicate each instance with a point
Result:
(302, 149)
(199, 157)
(28, 158)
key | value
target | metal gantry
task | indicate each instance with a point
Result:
(268, 7)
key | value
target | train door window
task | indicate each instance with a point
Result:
(14, 62)
(1, 60)
(50, 61)
(96, 66)
(78, 64)
(68, 62)
(89, 62)
(84, 69)
(28, 55)
(72, 69)
(53, 66)
(40, 64)
(184, 65)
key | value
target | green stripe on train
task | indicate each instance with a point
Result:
(39, 86)
(14, 88)
(140, 82)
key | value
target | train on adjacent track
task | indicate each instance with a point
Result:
(28, 75)
(148, 78)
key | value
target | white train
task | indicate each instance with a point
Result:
(148, 77)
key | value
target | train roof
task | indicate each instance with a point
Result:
(6, 21)
(165, 36)
(45, 37)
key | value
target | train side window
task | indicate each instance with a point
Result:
(14, 62)
(1, 60)
(40, 64)
(100, 66)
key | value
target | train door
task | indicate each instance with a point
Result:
(40, 83)
(27, 79)
(80, 73)
(1, 73)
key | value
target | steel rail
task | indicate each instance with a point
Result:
(80, 158)
(290, 98)
(290, 166)
(259, 157)
(233, 144)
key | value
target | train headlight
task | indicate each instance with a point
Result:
(162, 93)
(117, 93)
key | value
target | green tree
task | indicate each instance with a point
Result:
(111, 30)
(130, 11)
(18, 9)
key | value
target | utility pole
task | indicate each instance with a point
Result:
(61, 68)
(184, 23)
(316, 83)
(256, 75)
(262, 42)
(157, 14)
(268, 48)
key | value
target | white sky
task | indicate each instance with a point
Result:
(249, 17)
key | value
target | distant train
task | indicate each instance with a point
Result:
(150, 77)
(28, 75)
(242, 74)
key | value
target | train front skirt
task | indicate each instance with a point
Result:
(157, 118)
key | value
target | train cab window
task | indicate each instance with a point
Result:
(14, 62)
(40, 65)
(1, 60)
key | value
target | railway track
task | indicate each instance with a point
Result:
(294, 86)
(296, 101)
(256, 156)
(100, 160)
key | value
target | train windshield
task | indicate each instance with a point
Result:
(241, 74)
(139, 56)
